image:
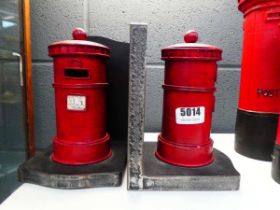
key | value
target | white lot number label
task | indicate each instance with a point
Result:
(190, 115)
(76, 103)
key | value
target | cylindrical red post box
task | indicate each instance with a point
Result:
(188, 103)
(259, 102)
(80, 98)
(276, 157)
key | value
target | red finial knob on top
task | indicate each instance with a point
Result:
(191, 36)
(79, 34)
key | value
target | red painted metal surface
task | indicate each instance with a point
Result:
(260, 75)
(80, 98)
(189, 86)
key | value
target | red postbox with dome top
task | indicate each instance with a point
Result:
(189, 86)
(80, 98)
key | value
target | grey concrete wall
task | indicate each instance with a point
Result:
(217, 21)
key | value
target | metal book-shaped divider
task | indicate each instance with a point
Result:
(42, 170)
(145, 171)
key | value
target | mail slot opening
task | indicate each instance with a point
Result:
(76, 73)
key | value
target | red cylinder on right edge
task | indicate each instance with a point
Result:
(259, 102)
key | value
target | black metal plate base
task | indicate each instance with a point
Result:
(276, 164)
(255, 134)
(158, 175)
(43, 171)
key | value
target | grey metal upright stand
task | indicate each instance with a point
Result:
(145, 171)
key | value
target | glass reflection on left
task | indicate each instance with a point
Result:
(12, 129)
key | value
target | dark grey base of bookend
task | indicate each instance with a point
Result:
(158, 175)
(43, 171)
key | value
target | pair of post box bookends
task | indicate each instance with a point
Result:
(99, 87)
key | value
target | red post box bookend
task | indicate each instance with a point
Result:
(80, 97)
(189, 86)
